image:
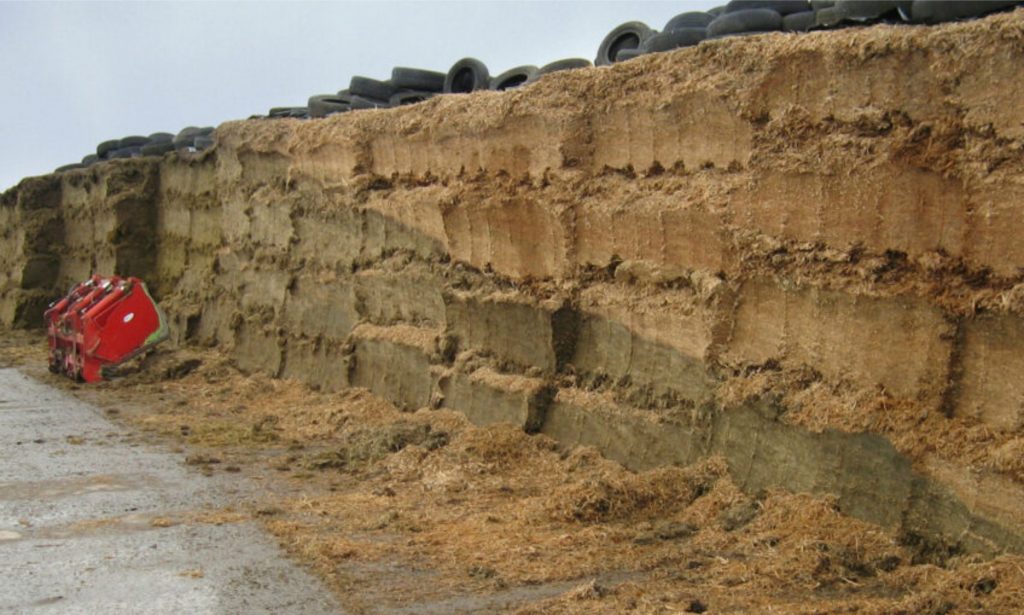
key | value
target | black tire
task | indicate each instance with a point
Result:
(752, 20)
(566, 64)
(361, 102)
(371, 88)
(514, 77)
(799, 22)
(827, 18)
(629, 35)
(931, 11)
(185, 136)
(817, 5)
(208, 130)
(69, 167)
(90, 160)
(742, 34)
(782, 7)
(323, 105)
(331, 98)
(133, 141)
(106, 147)
(126, 152)
(674, 39)
(467, 75)
(865, 10)
(409, 97)
(161, 137)
(275, 112)
(203, 142)
(693, 19)
(157, 149)
(417, 79)
(625, 55)
(327, 109)
(716, 11)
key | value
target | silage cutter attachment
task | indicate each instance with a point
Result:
(101, 323)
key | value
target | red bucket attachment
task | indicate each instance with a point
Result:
(102, 322)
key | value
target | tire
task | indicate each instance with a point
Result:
(930, 11)
(157, 149)
(106, 147)
(817, 5)
(323, 105)
(799, 22)
(566, 64)
(326, 109)
(90, 160)
(371, 88)
(751, 20)
(514, 77)
(827, 18)
(203, 142)
(782, 7)
(185, 137)
(716, 11)
(69, 167)
(409, 97)
(126, 152)
(467, 75)
(674, 39)
(693, 19)
(161, 137)
(275, 112)
(133, 141)
(741, 34)
(357, 102)
(629, 35)
(627, 54)
(417, 79)
(865, 10)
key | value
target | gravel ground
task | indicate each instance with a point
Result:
(94, 521)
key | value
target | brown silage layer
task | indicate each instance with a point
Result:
(478, 518)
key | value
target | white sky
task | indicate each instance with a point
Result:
(73, 74)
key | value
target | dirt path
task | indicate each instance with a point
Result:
(92, 521)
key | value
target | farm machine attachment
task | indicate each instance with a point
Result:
(102, 322)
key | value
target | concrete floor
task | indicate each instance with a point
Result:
(92, 521)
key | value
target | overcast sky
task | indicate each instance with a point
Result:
(74, 74)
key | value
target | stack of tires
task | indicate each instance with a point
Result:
(409, 86)
(632, 39)
(751, 17)
(191, 139)
(301, 113)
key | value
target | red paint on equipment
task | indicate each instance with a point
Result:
(102, 322)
